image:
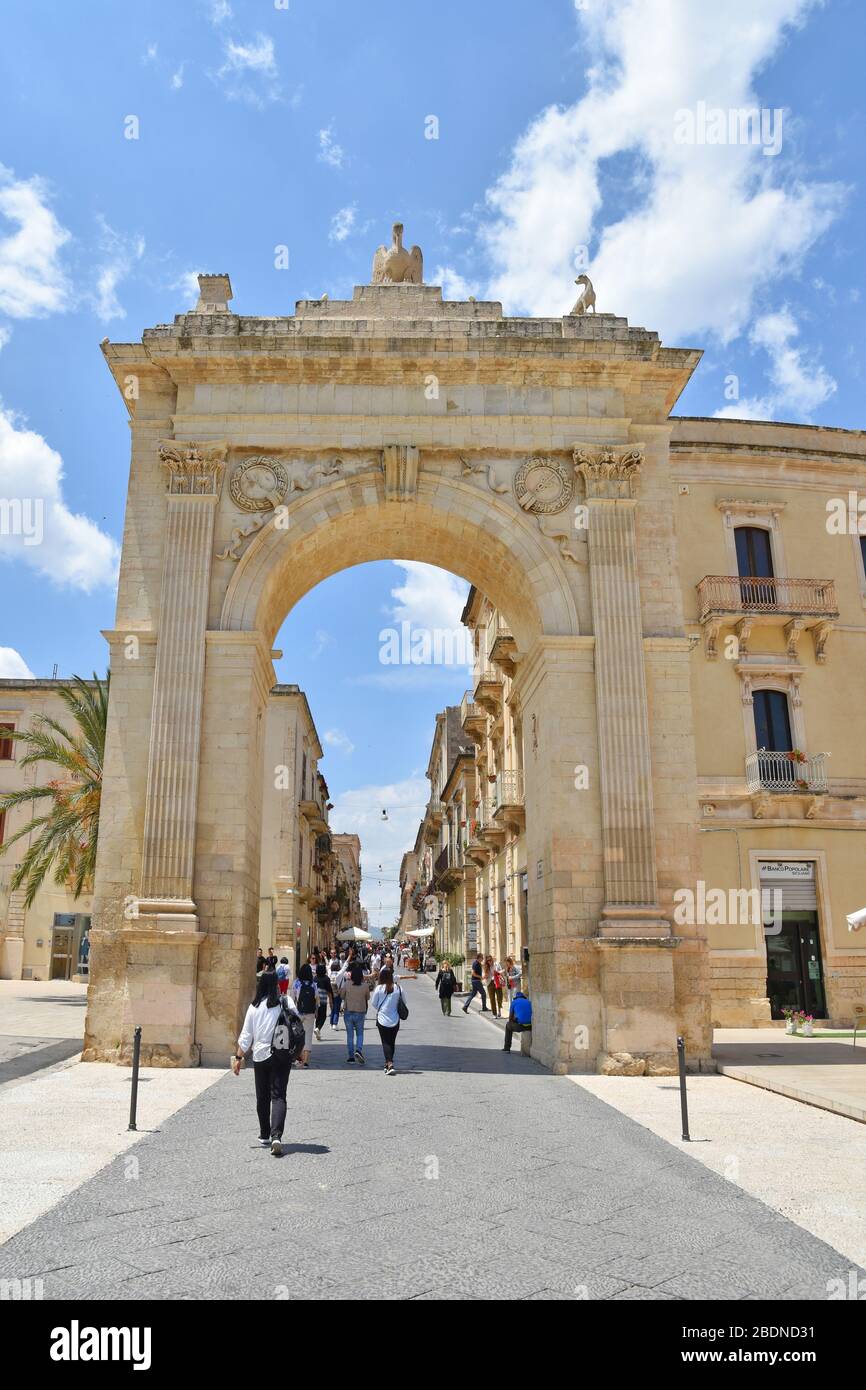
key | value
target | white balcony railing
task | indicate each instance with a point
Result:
(509, 789)
(786, 772)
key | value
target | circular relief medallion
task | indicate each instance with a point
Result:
(259, 484)
(543, 485)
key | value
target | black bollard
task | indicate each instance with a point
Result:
(136, 1058)
(684, 1104)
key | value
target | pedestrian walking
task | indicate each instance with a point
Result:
(390, 1009)
(261, 963)
(446, 984)
(271, 959)
(476, 984)
(356, 993)
(324, 994)
(334, 969)
(513, 975)
(283, 975)
(274, 1038)
(306, 1000)
(495, 985)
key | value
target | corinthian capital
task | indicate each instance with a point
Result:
(609, 470)
(194, 470)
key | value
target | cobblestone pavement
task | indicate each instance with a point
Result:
(468, 1175)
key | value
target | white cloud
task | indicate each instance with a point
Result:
(187, 283)
(249, 71)
(176, 81)
(343, 223)
(13, 667)
(798, 387)
(122, 254)
(220, 11)
(706, 225)
(429, 597)
(150, 54)
(33, 282)
(336, 738)
(454, 285)
(329, 151)
(359, 812)
(5, 335)
(36, 525)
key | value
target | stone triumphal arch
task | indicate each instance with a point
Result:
(529, 456)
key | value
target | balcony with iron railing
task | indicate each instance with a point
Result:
(449, 866)
(488, 688)
(473, 719)
(508, 799)
(501, 645)
(768, 771)
(746, 601)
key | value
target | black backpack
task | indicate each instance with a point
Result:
(308, 998)
(289, 1039)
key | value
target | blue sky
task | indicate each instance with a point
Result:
(560, 145)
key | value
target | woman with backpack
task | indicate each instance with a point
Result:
(390, 1010)
(446, 984)
(273, 1029)
(324, 992)
(356, 992)
(307, 1001)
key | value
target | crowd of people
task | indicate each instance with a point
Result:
(285, 1016)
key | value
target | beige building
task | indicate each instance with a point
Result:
(309, 879)
(49, 940)
(346, 910)
(539, 459)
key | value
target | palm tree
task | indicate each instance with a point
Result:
(65, 834)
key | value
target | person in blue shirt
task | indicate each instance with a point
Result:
(519, 1018)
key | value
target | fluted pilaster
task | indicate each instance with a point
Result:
(195, 479)
(628, 837)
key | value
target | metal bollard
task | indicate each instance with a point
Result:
(136, 1058)
(684, 1104)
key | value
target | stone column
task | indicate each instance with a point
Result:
(163, 939)
(635, 940)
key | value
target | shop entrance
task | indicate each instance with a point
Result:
(795, 971)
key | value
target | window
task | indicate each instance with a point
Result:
(754, 552)
(772, 721)
(6, 744)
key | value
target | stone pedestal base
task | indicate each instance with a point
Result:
(161, 952)
(12, 958)
(636, 957)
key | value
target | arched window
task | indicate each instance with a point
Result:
(754, 552)
(773, 739)
(772, 721)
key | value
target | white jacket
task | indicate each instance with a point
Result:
(258, 1029)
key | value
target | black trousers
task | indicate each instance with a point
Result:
(322, 1012)
(512, 1028)
(389, 1039)
(272, 1078)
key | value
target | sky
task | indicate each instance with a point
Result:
(520, 143)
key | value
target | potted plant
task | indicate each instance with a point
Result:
(788, 1015)
(797, 755)
(806, 1025)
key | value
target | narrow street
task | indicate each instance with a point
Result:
(469, 1175)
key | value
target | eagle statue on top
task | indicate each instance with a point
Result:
(394, 265)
